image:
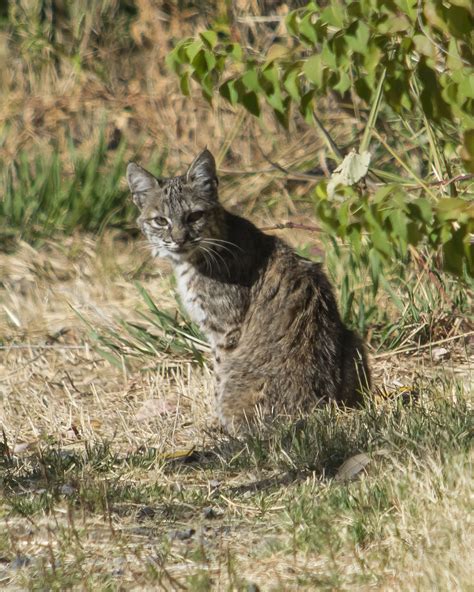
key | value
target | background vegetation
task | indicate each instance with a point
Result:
(346, 127)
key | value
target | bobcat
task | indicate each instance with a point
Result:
(270, 316)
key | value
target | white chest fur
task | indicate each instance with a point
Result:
(190, 300)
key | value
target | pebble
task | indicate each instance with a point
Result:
(145, 512)
(67, 490)
(209, 513)
(20, 561)
(440, 353)
(182, 535)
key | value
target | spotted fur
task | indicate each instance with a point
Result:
(270, 315)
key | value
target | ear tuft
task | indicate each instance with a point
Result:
(140, 182)
(202, 172)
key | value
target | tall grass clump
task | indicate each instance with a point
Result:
(45, 195)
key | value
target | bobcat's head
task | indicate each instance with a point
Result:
(178, 215)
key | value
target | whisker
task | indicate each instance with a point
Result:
(208, 257)
(222, 259)
(215, 244)
(221, 241)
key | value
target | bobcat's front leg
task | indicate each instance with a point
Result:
(237, 398)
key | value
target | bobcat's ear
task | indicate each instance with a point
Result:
(141, 182)
(202, 173)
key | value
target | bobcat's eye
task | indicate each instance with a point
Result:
(194, 216)
(159, 221)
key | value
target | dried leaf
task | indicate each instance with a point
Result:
(22, 446)
(438, 354)
(352, 169)
(352, 467)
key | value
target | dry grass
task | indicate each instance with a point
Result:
(93, 499)
(46, 105)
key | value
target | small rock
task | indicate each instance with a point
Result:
(209, 513)
(439, 354)
(118, 569)
(214, 484)
(20, 561)
(145, 512)
(67, 490)
(182, 535)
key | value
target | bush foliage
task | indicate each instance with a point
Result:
(406, 69)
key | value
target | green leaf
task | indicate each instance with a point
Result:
(372, 57)
(424, 46)
(250, 102)
(468, 150)
(344, 83)
(466, 85)
(398, 222)
(360, 40)
(334, 15)
(229, 91)
(328, 57)
(380, 240)
(460, 21)
(192, 49)
(209, 38)
(235, 51)
(456, 253)
(173, 61)
(292, 83)
(277, 51)
(250, 80)
(184, 84)
(434, 106)
(456, 209)
(306, 106)
(275, 100)
(291, 23)
(424, 208)
(313, 69)
(307, 30)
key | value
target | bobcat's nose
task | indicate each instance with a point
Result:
(179, 237)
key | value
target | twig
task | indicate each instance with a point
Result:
(288, 173)
(295, 225)
(418, 347)
(327, 137)
(445, 182)
(281, 168)
(59, 347)
(260, 19)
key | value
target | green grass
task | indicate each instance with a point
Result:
(57, 194)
